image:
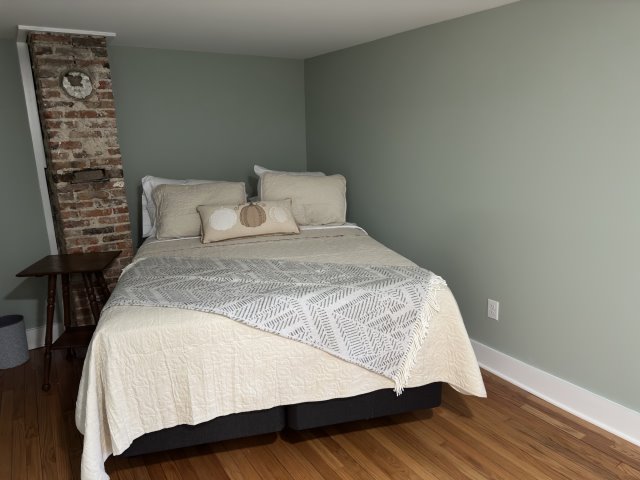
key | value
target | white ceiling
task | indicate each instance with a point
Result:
(279, 28)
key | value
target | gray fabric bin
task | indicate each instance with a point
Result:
(13, 341)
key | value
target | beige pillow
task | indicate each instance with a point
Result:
(149, 183)
(314, 200)
(260, 171)
(176, 214)
(222, 222)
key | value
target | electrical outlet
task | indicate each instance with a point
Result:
(493, 309)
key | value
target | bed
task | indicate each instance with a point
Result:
(158, 378)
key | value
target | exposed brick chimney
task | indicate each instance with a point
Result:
(84, 166)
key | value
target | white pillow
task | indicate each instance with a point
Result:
(260, 171)
(149, 183)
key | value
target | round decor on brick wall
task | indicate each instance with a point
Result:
(76, 84)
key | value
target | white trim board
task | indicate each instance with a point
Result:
(35, 336)
(606, 414)
(37, 142)
(24, 30)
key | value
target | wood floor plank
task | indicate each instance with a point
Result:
(183, 461)
(153, 465)
(244, 467)
(517, 428)
(481, 453)
(266, 463)
(577, 449)
(45, 426)
(326, 453)
(3, 376)
(370, 464)
(19, 454)
(562, 425)
(18, 380)
(578, 423)
(327, 450)
(406, 455)
(544, 455)
(630, 453)
(207, 461)
(32, 431)
(542, 458)
(456, 464)
(495, 443)
(66, 376)
(6, 438)
(118, 468)
(350, 466)
(627, 472)
(168, 466)
(138, 468)
(292, 459)
(232, 469)
(510, 435)
(554, 445)
(322, 460)
(427, 451)
(369, 448)
(74, 444)
(260, 456)
(55, 413)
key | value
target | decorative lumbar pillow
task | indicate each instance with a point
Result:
(314, 200)
(177, 214)
(222, 222)
(260, 171)
(149, 183)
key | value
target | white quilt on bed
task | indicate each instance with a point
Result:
(376, 316)
(153, 368)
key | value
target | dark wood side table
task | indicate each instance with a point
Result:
(86, 264)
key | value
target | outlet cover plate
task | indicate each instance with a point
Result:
(493, 309)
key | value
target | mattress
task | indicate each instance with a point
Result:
(151, 368)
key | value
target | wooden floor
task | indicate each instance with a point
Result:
(510, 435)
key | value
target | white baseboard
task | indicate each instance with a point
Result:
(608, 415)
(35, 336)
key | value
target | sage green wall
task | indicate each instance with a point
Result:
(502, 150)
(23, 237)
(203, 115)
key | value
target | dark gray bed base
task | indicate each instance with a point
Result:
(298, 417)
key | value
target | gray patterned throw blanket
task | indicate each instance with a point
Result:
(376, 317)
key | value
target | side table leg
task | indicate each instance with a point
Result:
(66, 303)
(48, 338)
(66, 300)
(98, 290)
(91, 295)
(103, 286)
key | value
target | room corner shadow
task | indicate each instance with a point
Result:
(31, 288)
(247, 442)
